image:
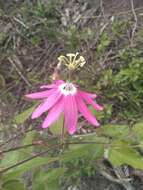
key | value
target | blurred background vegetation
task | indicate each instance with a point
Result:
(109, 34)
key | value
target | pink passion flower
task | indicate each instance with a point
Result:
(67, 98)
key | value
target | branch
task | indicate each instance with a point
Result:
(53, 146)
(16, 148)
(108, 15)
(19, 72)
(28, 159)
(136, 20)
(42, 143)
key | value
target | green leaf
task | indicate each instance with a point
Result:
(20, 118)
(93, 151)
(30, 136)
(28, 139)
(48, 179)
(56, 128)
(138, 131)
(13, 157)
(98, 114)
(13, 184)
(91, 138)
(9, 159)
(122, 153)
(102, 115)
(30, 165)
(104, 42)
(114, 131)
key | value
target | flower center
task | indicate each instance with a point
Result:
(67, 89)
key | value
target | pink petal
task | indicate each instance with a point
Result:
(71, 113)
(88, 99)
(54, 113)
(91, 95)
(58, 82)
(85, 112)
(48, 86)
(39, 95)
(54, 85)
(48, 103)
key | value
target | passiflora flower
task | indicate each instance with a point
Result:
(65, 97)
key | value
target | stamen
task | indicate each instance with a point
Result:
(72, 61)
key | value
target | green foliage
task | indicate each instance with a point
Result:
(138, 132)
(13, 184)
(122, 153)
(125, 87)
(28, 139)
(48, 179)
(76, 37)
(20, 118)
(56, 128)
(114, 131)
(27, 166)
(104, 43)
(114, 69)
(83, 151)
(117, 28)
(40, 9)
(41, 20)
(79, 159)
(9, 159)
(103, 116)
(79, 162)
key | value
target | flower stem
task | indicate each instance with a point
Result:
(70, 75)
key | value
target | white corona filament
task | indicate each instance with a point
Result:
(67, 89)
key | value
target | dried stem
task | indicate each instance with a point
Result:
(135, 19)
(19, 72)
(108, 15)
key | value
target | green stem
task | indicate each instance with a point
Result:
(54, 146)
(28, 159)
(70, 75)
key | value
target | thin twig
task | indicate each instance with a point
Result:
(136, 21)
(16, 148)
(105, 58)
(19, 72)
(102, 8)
(111, 178)
(122, 178)
(107, 15)
(116, 178)
(34, 143)
(20, 22)
(42, 143)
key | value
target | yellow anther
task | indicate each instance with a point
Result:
(72, 61)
